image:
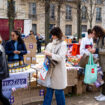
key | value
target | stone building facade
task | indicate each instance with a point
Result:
(35, 11)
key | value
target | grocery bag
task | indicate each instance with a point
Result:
(90, 71)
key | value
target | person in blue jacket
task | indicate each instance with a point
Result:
(15, 48)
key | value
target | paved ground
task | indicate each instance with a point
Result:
(85, 99)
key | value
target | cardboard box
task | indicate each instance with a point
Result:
(31, 46)
(34, 60)
(30, 38)
(27, 60)
(31, 53)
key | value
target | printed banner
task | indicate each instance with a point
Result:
(14, 82)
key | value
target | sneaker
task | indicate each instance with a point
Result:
(98, 96)
(101, 99)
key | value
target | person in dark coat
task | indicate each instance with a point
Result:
(74, 40)
(15, 48)
(39, 39)
(4, 73)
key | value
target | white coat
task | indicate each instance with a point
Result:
(59, 74)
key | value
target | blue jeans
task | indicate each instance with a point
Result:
(59, 94)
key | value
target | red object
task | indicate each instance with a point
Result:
(88, 46)
(4, 27)
(92, 71)
(75, 49)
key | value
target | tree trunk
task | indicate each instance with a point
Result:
(47, 20)
(58, 18)
(79, 19)
(11, 16)
(11, 26)
(91, 4)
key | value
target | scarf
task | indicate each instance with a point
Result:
(56, 41)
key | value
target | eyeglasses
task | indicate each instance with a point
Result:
(12, 35)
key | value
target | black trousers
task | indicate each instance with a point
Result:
(103, 86)
(3, 99)
(39, 48)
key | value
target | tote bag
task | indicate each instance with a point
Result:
(90, 71)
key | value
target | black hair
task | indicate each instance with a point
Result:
(57, 32)
(90, 31)
(20, 40)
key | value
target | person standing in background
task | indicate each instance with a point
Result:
(31, 33)
(20, 31)
(15, 48)
(39, 39)
(74, 40)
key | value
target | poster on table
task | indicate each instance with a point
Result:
(13, 83)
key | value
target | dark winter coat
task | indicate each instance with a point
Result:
(10, 48)
(4, 72)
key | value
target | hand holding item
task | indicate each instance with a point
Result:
(91, 50)
(47, 53)
(16, 52)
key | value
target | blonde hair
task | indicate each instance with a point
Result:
(0, 39)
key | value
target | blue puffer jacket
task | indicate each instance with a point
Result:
(10, 48)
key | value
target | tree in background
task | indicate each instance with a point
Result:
(91, 9)
(11, 15)
(47, 20)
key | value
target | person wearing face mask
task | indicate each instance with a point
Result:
(15, 48)
(4, 72)
(57, 50)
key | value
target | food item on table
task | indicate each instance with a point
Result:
(10, 70)
(21, 63)
(10, 64)
(68, 65)
(24, 68)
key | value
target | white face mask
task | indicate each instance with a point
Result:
(55, 41)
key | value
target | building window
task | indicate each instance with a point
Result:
(51, 26)
(99, 1)
(68, 12)
(84, 13)
(52, 11)
(84, 0)
(68, 30)
(34, 28)
(98, 14)
(84, 28)
(32, 10)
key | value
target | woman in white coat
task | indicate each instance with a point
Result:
(59, 73)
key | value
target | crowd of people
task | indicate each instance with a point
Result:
(56, 50)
